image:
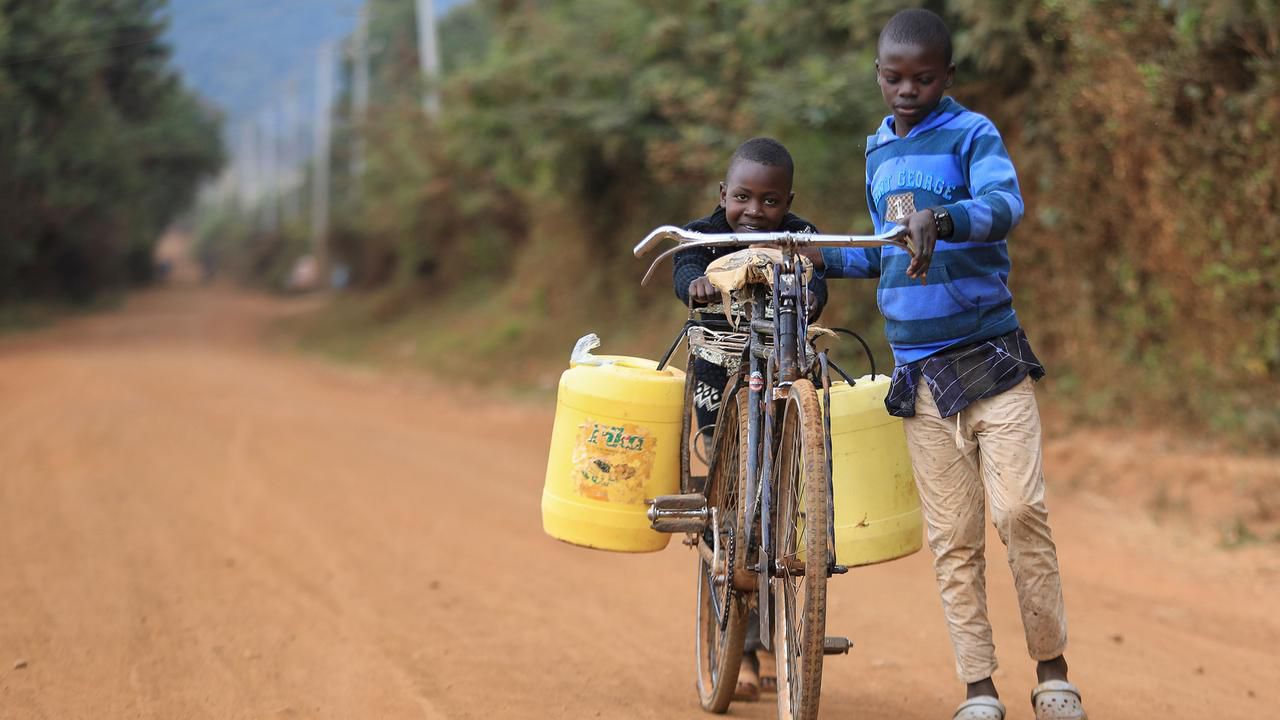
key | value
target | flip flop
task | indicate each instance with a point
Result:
(768, 672)
(1057, 700)
(983, 707)
(748, 688)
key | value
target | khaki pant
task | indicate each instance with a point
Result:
(994, 444)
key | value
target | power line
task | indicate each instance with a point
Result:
(17, 60)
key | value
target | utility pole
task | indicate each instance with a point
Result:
(291, 156)
(245, 167)
(429, 54)
(270, 172)
(360, 91)
(322, 130)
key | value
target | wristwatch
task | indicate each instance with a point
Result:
(942, 222)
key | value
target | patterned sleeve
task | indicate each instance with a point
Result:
(996, 205)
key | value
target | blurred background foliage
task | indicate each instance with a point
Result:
(101, 147)
(1145, 134)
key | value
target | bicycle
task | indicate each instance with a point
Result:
(763, 520)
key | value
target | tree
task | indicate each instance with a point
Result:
(100, 144)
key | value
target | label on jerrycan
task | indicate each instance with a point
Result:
(611, 462)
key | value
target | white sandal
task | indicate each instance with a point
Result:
(1057, 700)
(983, 707)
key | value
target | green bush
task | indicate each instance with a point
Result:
(1144, 133)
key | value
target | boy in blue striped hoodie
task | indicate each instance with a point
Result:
(963, 366)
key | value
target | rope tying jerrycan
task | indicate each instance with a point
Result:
(876, 505)
(615, 442)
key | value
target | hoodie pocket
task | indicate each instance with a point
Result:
(937, 311)
(956, 293)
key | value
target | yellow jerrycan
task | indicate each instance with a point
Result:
(877, 507)
(615, 442)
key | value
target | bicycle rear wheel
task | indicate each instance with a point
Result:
(800, 531)
(721, 610)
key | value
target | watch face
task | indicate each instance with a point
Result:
(942, 222)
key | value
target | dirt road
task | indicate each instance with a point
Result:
(196, 525)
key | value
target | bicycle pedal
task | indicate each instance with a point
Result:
(839, 569)
(679, 513)
(833, 645)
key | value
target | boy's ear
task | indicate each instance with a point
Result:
(791, 197)
(951, 75)
(722, 194)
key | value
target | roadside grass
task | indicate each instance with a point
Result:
(516, 346)
(26, 316)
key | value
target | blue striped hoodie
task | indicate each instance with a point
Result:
(954, 159)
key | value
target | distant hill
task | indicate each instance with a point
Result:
(238, 54)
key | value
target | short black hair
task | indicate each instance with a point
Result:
(919, 27)
(765, 151)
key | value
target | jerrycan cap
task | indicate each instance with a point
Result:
(624, 364)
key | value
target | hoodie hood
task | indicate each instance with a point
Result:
(948, 109)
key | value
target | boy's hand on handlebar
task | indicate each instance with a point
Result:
(922, 234)
(701, 290)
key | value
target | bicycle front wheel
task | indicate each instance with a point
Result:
(800, 531)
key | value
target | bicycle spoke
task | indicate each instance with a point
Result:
(717, 607)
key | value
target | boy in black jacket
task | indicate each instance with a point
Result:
(755, 196)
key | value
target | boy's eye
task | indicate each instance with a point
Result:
(925, 80)
(740, 197)
(771, 201)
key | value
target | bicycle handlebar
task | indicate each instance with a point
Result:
(686, 239)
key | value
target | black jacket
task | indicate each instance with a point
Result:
(692, 264)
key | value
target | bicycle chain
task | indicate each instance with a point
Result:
(728, 577)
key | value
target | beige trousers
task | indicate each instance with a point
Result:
(992, 445)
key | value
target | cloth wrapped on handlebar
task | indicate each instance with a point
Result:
(748, 266)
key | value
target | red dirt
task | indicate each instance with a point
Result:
(196, 525)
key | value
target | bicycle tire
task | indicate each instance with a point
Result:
(719, 636)
(801, 527)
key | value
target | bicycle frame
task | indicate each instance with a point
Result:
(781, 367)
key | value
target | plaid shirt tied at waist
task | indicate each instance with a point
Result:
(961, 376)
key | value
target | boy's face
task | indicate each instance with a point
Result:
(912, 79)
(755, 197)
